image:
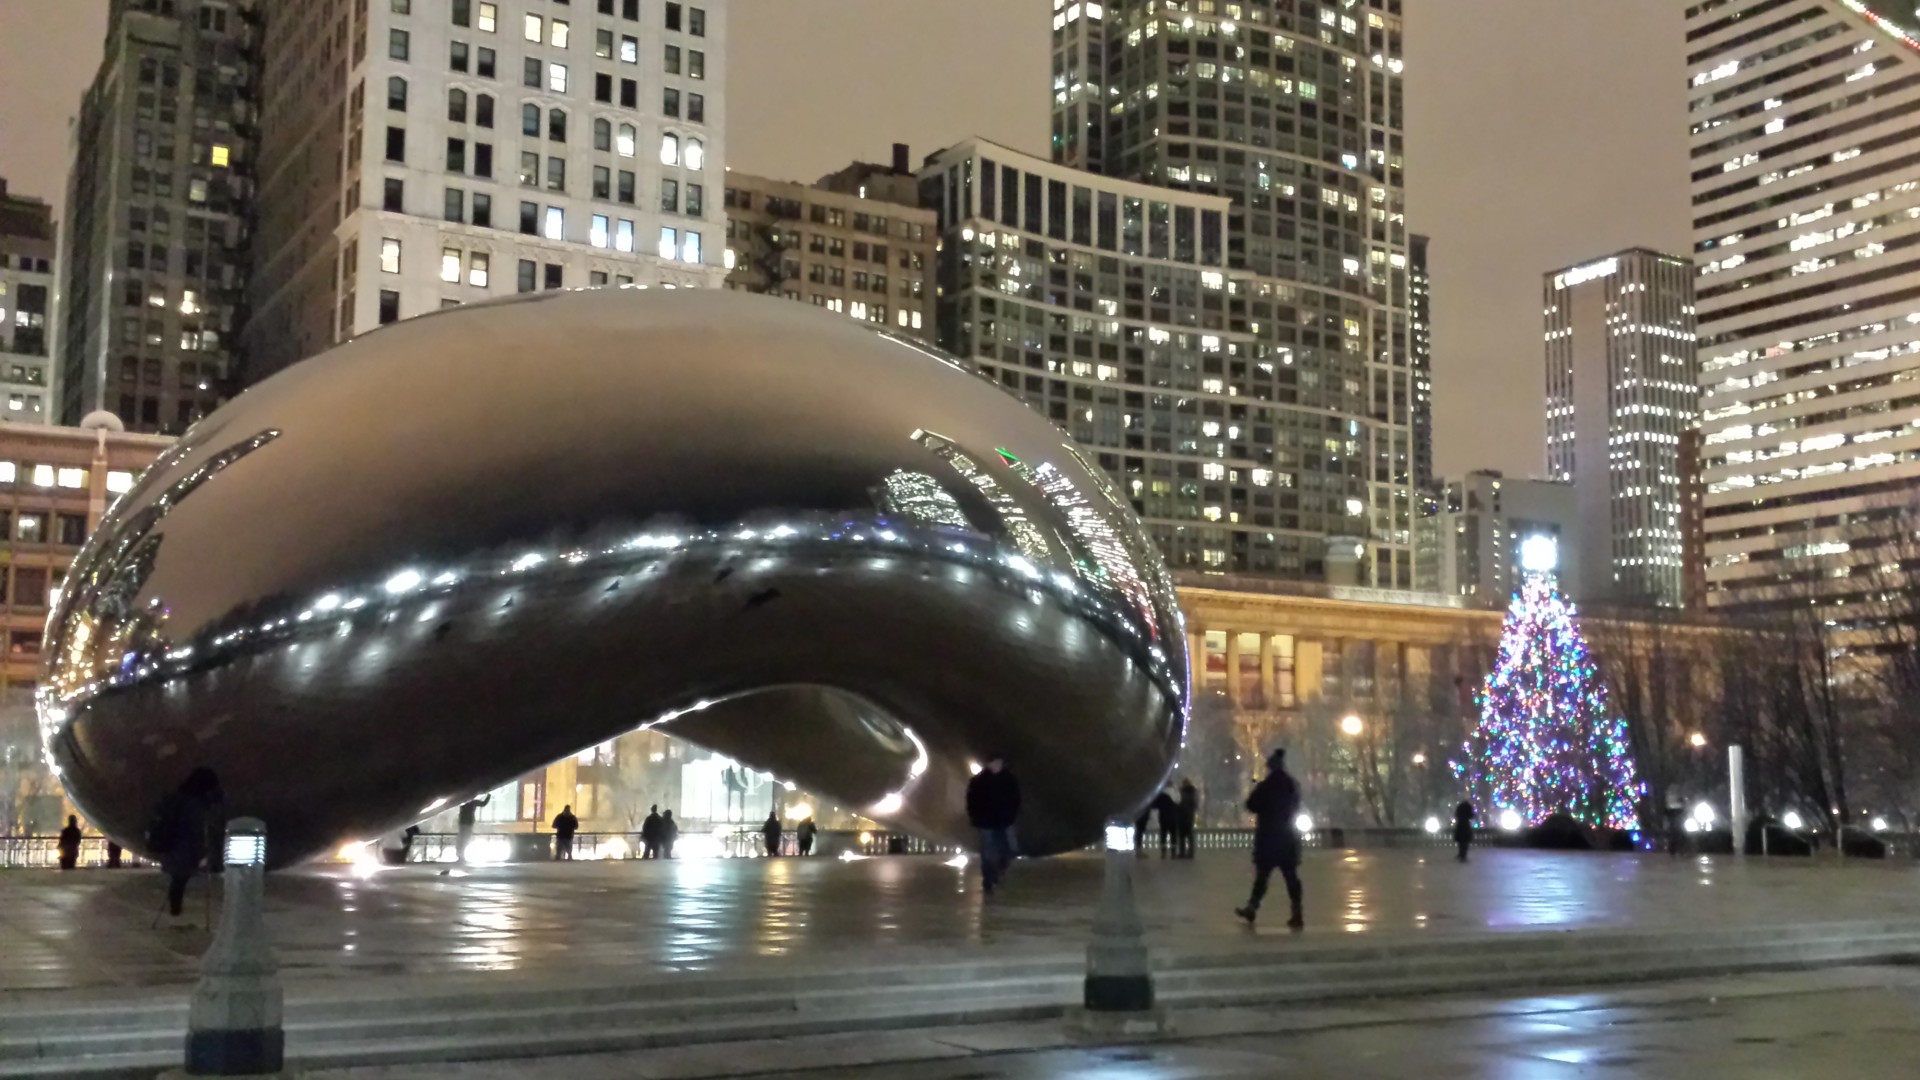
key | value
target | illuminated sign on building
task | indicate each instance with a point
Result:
(1580, 275)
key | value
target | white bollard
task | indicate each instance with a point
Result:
(1118, 992)
(234, 1024)
(1737, 801)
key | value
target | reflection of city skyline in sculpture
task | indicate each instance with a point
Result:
(367, 588)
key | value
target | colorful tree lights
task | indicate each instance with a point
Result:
(1547, 742)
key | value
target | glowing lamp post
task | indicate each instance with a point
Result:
(234, 1021)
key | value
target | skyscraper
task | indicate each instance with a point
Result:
(27, 252)
(1292, 113)
(1621, 390)
(157, 208)
(1420, 307)
(1806, 207)
(419, 155)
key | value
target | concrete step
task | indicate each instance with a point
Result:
(412, 1021)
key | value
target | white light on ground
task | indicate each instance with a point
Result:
(1432, 825)
(1879, 824)
(1539, 554)
(1303, 823)
(958, 862)
(1792, 820)
(404, 582)
(1352, 725)
(851, 855)
(1510, 820)
(1703, 814)
(489, 850)
(327, 603)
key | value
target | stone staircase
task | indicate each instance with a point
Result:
(401, 1020)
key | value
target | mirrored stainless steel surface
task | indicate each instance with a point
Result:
(449, 552)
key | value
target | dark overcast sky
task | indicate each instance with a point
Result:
(1541, 133)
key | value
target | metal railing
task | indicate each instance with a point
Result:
(43, 853)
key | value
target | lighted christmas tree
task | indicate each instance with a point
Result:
(1547, 742)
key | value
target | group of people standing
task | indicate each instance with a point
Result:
(803, 834)
(1177, 818)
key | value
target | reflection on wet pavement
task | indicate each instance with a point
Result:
(91, 928)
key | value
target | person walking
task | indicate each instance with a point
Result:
(1275, 803)
(669, 832)
(650, 833)
(469, 812)
(70, 844)
(180, 832)
(1189, 818)
(993, 805)
(564, 826)
(803, 834)
(1168, 814)
(770, 833)
(1463, 817)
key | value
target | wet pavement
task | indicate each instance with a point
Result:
(1846, 1024)
(92, 929)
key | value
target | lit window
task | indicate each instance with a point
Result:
(533, 28)
(690, 248)
(916, 320)
(557, 78)
(450, 265)
(9, 472)
(221, 155)
(902, 318)
(389, 256)
(43, 476)
(669, 243)
(696, 154)
(669, 149)
(119, 481)
(625, 143)
(729, 260)
(556, 223)
(630, 50)
(559, 34)
(489, 15)
(73, 478)
(597, 235)
(623, 236)
(477, 270)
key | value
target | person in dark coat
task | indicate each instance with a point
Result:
(182, 831)
(1463, 816)
(770, 833)
(669, 832)
(469, 813)
(70, 844)
(1275, 803)
(803, 834)
(1168, 813)
(113, 855)
(1189, 818)
(565, 824)
(650, 833)
(993, 805)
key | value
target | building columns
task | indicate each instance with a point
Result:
(1233, 668)
(1269, 686)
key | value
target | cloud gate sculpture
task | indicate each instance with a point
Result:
(472, 543)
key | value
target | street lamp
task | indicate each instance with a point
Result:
(1419, 758)
(1696, 740)
(1352, 725)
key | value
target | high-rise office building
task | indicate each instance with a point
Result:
(1469, 542)
(418, 155)
(856, 242)
(1420, 326)
(1806, 209)
(1621, 389)
(1293, 113)
(157, 208)
(28, 248)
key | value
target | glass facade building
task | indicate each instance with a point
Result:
(1806, 210)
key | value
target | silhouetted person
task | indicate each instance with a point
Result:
(1275, 803)
(770, 833)
(70, 844)
(1463, 816)
(113, 855)
(1189, 819)
(650, 833)
(993, 804)
(669, 832)
(1676, 828)
(183, 825)
(1168, 813)
(803, 835)
(564, 826)
(395, 849)
(469, 811)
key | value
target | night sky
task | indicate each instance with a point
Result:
(1541, 133)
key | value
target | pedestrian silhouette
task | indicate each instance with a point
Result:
(1168, 813)
(1463, 816)
(113, 855)
(469, 812)
(1189, 818)
(181, 833)
(650, 833)
(564, 826)
(1275, 803)
(993, 805)
(770, 832)
(70, 843)
(803, 834)
(669, 832)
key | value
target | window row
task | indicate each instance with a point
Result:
(675, 17)
(604, 232)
